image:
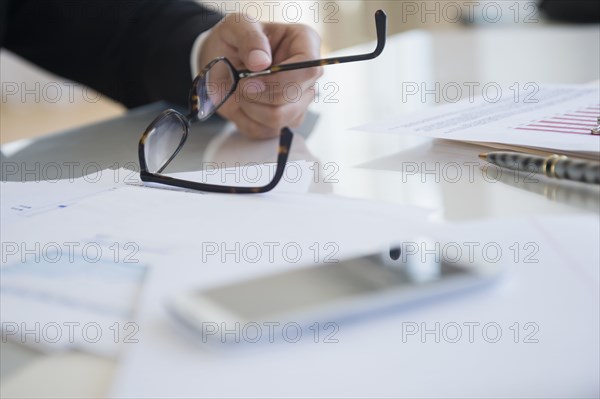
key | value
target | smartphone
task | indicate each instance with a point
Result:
(327, 292)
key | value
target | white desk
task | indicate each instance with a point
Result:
(370, 165)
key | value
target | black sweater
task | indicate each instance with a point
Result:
(135, 51)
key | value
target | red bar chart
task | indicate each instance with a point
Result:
(579, 121)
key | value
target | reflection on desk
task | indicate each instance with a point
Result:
(578, 195)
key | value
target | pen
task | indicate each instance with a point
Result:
(554, 166)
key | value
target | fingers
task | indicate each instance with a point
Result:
(277, 116)
(263, 105)
(290, 43)
(254, 49)
(254, 129)
(279, 92)
(258, 120)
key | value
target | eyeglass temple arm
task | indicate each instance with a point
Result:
(381, 26)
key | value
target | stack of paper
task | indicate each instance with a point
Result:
(549, 118)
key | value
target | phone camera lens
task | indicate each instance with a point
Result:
(395, 253)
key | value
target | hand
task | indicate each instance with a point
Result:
(261, 106)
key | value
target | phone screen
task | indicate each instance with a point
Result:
(302, 289)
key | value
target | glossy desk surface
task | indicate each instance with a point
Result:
(361, 165)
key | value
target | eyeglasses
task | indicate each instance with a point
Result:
(166, 135)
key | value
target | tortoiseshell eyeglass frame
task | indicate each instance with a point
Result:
(286, 136)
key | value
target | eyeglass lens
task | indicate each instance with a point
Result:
(163, 140)
(214, 87)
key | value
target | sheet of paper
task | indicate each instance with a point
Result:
(21, 200)
(535, 333)
(70, 273)
(70, 294)
(548, 116)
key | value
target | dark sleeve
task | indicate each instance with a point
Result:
(583, 11)
(135, 51)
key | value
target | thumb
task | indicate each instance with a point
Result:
(249, 39)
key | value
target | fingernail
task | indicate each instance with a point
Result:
(259, 58)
